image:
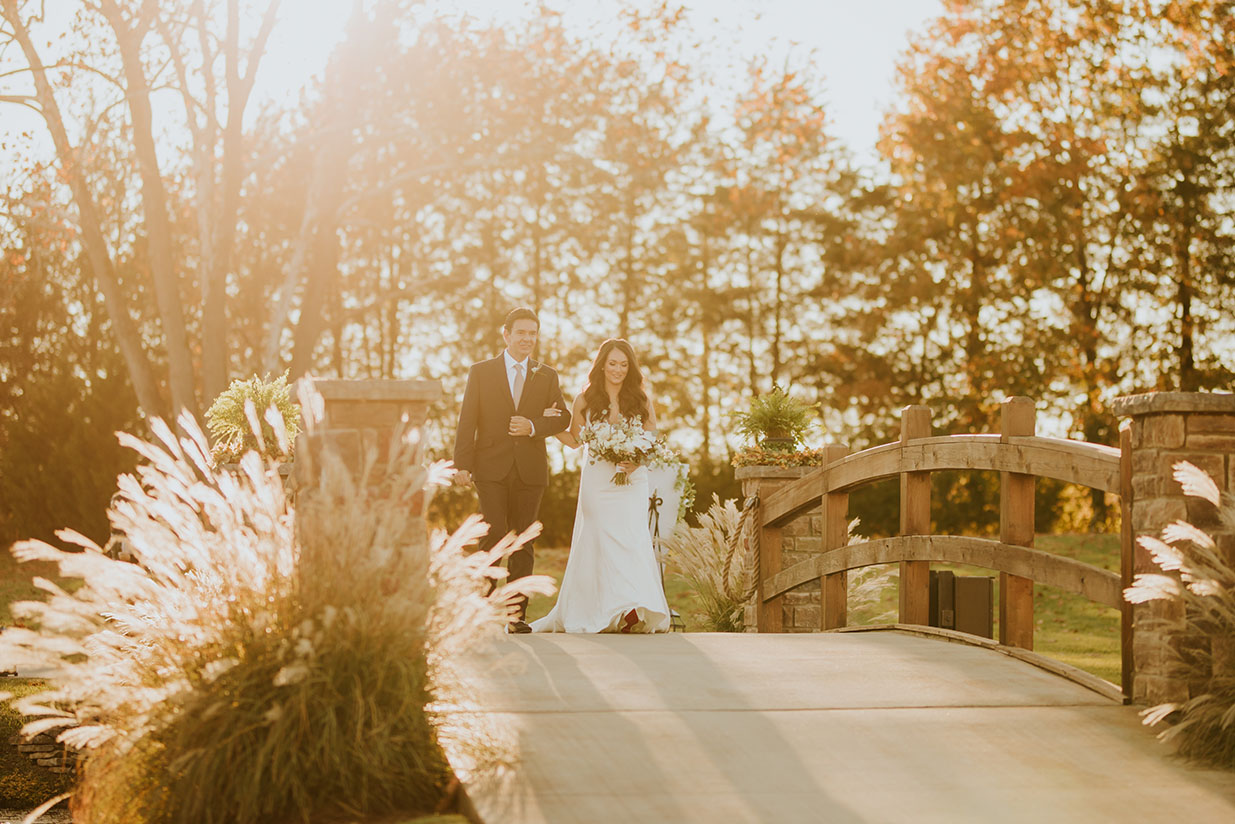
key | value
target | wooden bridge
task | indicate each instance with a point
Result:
(1018, 455)
(886, 724)
(837, 727)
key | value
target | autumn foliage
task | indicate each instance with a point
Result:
(1048, 214)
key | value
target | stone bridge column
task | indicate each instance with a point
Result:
(359, 414)
(1169, 427)
(801, 539)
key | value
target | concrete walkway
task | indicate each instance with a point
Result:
(833, 727)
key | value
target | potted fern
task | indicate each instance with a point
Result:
(777, 424)
(776, 421)
(235, 428)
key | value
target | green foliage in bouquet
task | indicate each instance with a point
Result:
(664, 455)
(259, 664)
(1198, 576)
(776, 421)
(234, 433)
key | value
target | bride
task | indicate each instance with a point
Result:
(612, 580)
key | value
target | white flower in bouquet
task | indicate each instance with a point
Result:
(618, 443)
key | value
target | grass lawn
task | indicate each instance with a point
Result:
(16, 583)
(1068, 628)
(1071, 628)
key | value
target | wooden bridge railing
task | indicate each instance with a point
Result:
(1017, 454)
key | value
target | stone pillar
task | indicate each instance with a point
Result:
(802, 540)
(1166, 428)
(359, 414)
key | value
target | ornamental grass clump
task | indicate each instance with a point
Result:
(715, 560)
(1200, 577)
(719, 559)
(259, 664)
(238, 422)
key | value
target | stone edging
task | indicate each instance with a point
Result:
(744, 473)
(45, 751)
(1156, 403)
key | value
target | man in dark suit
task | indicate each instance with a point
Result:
(500, 440)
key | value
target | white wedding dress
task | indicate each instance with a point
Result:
(612, 568)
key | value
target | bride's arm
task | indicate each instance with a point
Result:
(571, 436)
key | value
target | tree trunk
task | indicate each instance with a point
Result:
(235, 167)
(778, 302)
(628, 284)
(344, 91)
(751, 316)
(158, 227)
(705, 357)
(98, 256)
(1189, 378)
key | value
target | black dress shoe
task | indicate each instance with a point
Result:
(519, 627)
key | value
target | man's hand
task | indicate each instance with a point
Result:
(520, 427)
(462, 477)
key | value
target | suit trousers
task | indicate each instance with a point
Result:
(510, 505)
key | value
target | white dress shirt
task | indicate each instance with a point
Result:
(511, 363)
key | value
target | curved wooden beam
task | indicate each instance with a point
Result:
(1075, 462)
(1043, 567)
(1088, 680)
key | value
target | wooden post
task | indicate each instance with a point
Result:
(915, 587)
(834, 588)
(771, 612)
(1127, 557)
(1016, 526)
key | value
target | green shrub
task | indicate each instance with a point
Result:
(1200, 577)
(259, 664)
(238, 419)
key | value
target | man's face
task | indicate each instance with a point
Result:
(521, 338)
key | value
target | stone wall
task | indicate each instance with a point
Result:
(46, 752)
(801, 540)
(359, 415)
(1166, 428)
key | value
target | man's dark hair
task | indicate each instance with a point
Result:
(522, 313)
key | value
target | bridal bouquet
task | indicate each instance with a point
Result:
(618, 442)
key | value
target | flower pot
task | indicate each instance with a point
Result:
(778, 444)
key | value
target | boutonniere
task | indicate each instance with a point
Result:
(531, 373)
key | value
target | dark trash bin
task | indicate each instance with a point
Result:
(963, 603)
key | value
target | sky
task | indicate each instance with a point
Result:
(854, 44)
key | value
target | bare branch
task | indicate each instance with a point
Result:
(418, 289)
(259, 44)
(28, 100)
(422, 172)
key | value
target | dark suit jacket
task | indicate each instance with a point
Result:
(482, 443)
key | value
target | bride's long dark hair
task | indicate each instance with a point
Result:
(632, 400)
